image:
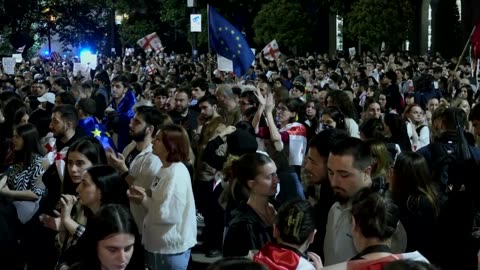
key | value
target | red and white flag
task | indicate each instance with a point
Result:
(150, 42)
(20, 50)
(271, 51)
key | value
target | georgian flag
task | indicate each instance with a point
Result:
(271, 51)
(150, 42)
(297, 143)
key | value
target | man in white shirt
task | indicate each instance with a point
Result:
(137, 164)
(349, 168)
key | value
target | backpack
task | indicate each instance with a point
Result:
(458, 222)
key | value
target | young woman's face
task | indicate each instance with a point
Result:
(382, 99)
(17, 141)
(310, 110)
(266, 182)
(463, 93)
(416, 114)
(24, 119)
(89, 194)
(328, 122)
(115, 251)
(284, 114)
(374, 111)
(433, 104)
(77, 163)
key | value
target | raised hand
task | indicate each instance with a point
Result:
(67, 202)
(117, 162)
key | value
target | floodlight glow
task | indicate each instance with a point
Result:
(85, 52)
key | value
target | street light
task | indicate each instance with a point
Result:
(51, 19)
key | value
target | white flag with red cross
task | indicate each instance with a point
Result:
(150, 42)
(271, 51)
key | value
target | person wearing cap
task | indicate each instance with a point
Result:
(42, 115)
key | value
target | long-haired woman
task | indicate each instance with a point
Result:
(252, 223)
(415, 194)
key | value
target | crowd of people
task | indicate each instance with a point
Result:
(317, 162)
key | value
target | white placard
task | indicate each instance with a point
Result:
(8, 65)
(83, 68)
(352, 51)
(88, 59)
(18, 57)
(224, 64)
(195, 22)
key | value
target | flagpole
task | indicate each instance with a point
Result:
(208, 27)
(209, 65)
(465, 49)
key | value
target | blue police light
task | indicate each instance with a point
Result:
(85, 52)
(46, 53)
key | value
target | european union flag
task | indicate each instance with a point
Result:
(228, 42)
(92, 128)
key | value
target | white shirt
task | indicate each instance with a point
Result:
(144, 167)
(170, 226)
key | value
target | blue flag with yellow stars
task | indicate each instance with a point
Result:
(92, 128)
(228, 42)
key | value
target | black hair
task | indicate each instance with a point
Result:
(252, 98)
(375, 215)
(31, 144)
(326, 139)
(336, 116)
(373, 128)
(66, 98)
(87, 105)
(247, 126)
(68, 113)
(108, 220)
(295, 221)
(103, 77)
(112, 187)
(62, 82)
(19, 115)
(354, 147)
(211, 99)
(9, 110)
(152, 117)
(200, 83)
(121, 79)
(398, 129)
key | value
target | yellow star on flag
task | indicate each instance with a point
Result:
(96, 133)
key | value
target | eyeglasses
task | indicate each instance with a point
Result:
(282, 109)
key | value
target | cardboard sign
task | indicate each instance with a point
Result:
(8, 64)
(18, 57)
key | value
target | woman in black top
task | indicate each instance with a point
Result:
(252, 223)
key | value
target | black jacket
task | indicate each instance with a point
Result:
(246, 232)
